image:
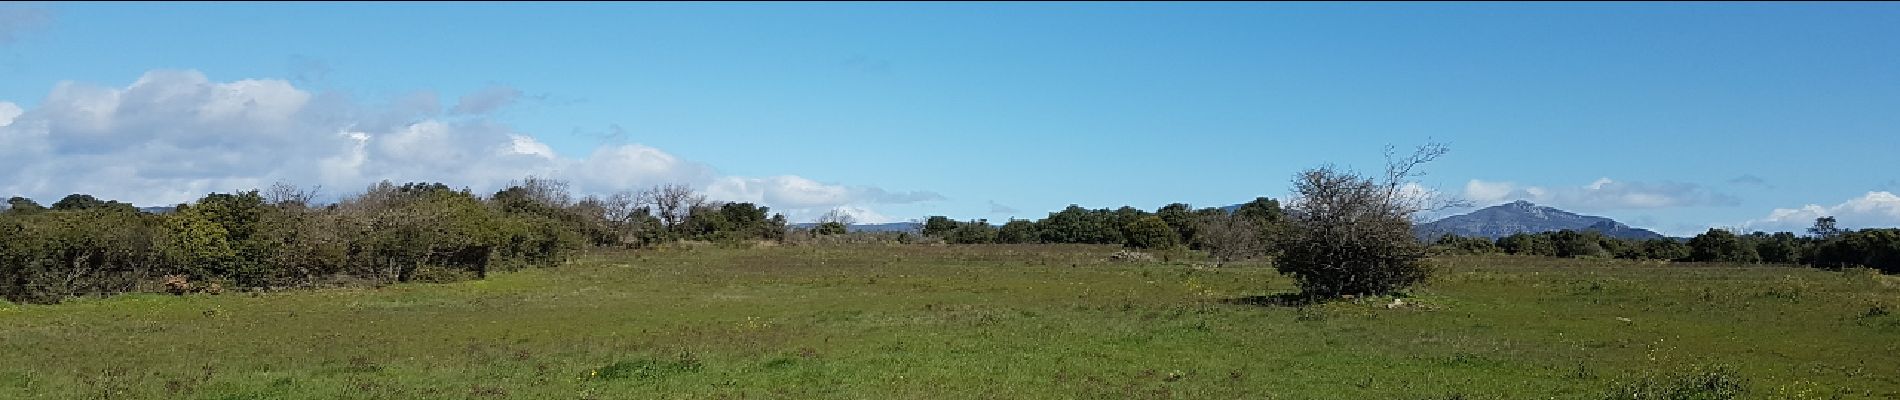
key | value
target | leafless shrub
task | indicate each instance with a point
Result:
(674, 202)
(1351, 234)
(1229, 237)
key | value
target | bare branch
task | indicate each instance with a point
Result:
(674, 202)
(837, 216)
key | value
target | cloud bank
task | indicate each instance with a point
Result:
(1874, 209)
(174, 135)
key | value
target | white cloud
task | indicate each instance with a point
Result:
(624, 166)
(1487, 192)
(1601, 194)
(528, 146)
(1874, 209)
(1417, 194)
(9, 111)
(173, 136)
(801, 198)
(859, 215)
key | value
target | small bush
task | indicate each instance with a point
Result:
(1351, 234)
(1876, 311)
(646, 368)
(1701, 383)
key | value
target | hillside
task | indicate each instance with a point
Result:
(1524, 217)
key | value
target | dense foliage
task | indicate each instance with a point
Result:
(390, 233)
(1245, 232)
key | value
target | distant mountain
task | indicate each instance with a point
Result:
(1523, 217)
(890, 227)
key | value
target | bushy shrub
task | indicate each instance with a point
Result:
(1017, 231)
(1529, 244)
(1150, 232)
(1873, 248)
(47, 256)
(829, 228)
(1352, 235)
(1721, 245)
(1454, 244)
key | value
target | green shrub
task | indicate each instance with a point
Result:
(647, 368)
(1699, 383)
(1150, 232)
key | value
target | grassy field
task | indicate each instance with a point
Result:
(971, 322)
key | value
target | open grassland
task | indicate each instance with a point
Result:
(996, 321)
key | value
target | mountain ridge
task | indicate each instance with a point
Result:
(1525, 217)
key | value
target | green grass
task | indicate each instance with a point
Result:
(970, 322)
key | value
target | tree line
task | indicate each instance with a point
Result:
(1343, 233)
(81, 245)
(1257, 229)
(1244, 232)
(1825, 246)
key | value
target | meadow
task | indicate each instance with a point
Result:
(982, 321)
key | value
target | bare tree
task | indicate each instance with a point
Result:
(377, 196)
(549, 191)
(623, 206)
(1401, 174)
(838, 216)
(674, 202)
(593, 209)
(285, 194)
(1352, 234)
(834, 222)
(1230, 237)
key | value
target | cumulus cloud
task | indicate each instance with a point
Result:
(1602, 194)
(802, 197)
(173, 136)
(861, 215)
(1874, 209)
(487, 100)
(9, 111)
(1488, 192)
(1418, 194)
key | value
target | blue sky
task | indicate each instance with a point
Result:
(1675, 117)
